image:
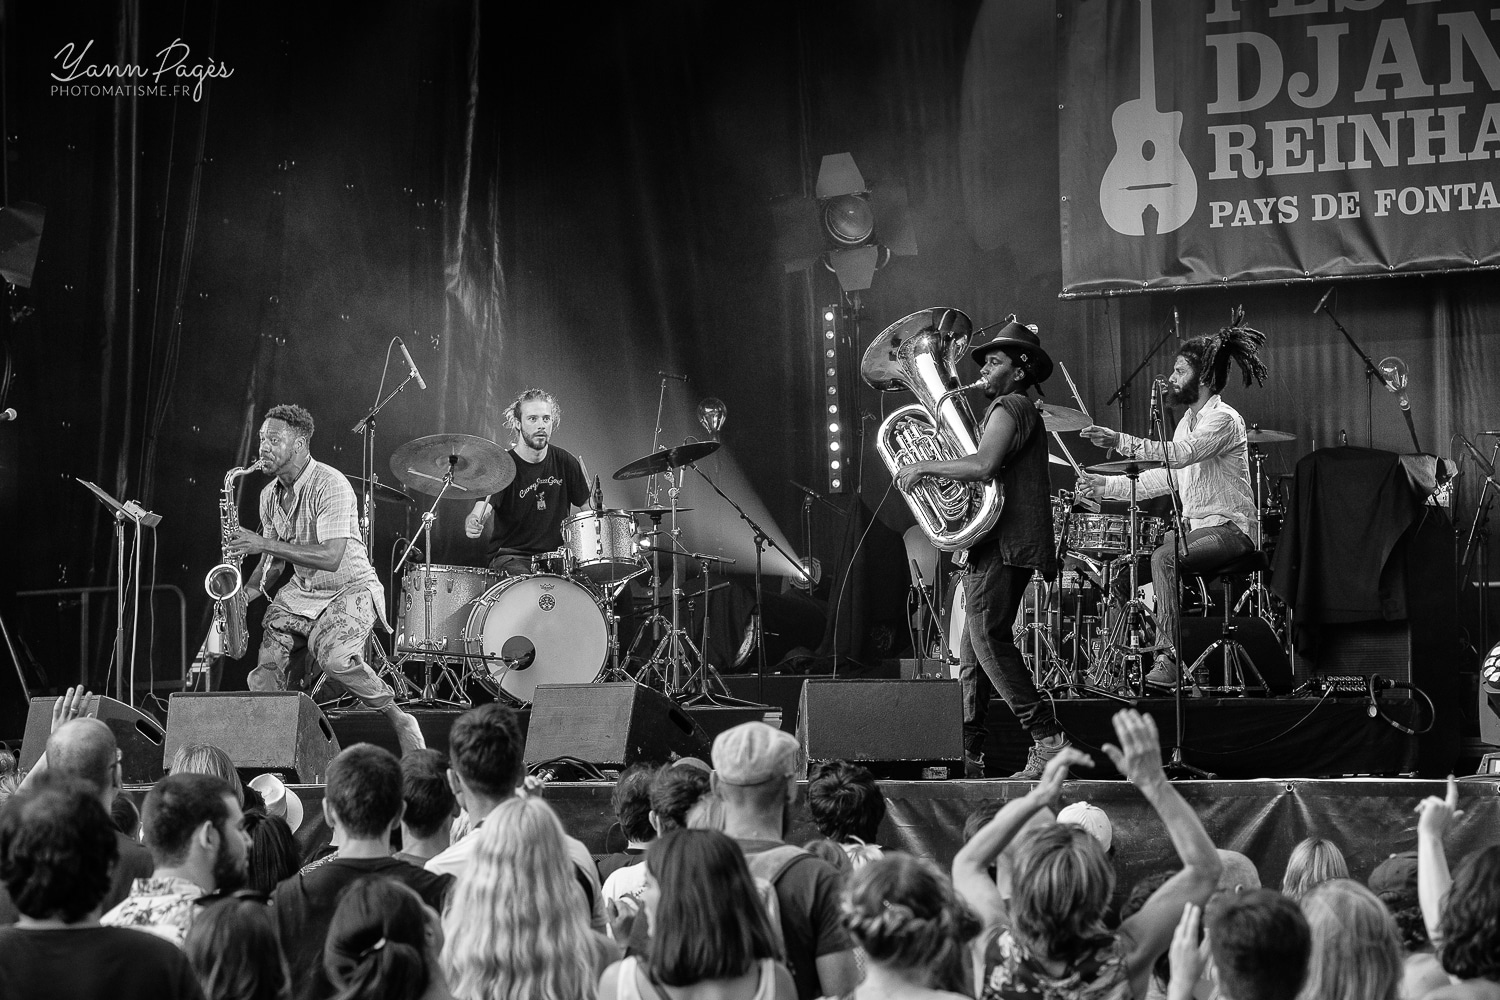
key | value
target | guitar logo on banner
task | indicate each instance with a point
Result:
(1149, 187)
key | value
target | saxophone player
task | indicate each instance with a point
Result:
(1012, 450)
(309, 518)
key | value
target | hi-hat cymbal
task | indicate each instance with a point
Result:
(383, 493)
(480, 466)
(667, 458)
(1125, 467)
(654, 511)
(1060, 418)
(1258, 436)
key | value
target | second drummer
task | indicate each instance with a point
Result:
(528, 514)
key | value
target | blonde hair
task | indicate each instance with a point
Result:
(1313, 862)
(516, 925)
(1356, 951)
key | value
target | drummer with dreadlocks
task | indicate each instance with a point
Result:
(1208, 464)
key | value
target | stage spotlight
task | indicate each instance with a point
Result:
(853, 228)
(811, 575)
(848, 220)
(1489, 672)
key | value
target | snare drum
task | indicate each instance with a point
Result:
(603, 545)
(1109, 534)
(451, 589)
(550, 627)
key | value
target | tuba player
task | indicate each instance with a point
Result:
(1013, 452)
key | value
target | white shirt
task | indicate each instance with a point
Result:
(1208, 455)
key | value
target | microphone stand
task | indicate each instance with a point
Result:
(1122, 391)
(138, 515)
(761, 539)
(1372, 372)
(366, 428)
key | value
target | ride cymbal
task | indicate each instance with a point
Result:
(1257, 436)
(1061, 418)
(667, 458)
(479, 466)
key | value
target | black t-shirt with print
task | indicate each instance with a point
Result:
(529, 512)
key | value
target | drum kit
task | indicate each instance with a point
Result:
(1077, 636)
(475, 631)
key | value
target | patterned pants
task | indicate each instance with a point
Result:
(337, 641)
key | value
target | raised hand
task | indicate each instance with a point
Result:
(69, 706)
(1056, 772)
(1188, 955)
(1138, 757)
(1436, 815)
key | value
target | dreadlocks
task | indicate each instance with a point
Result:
(1210, 356)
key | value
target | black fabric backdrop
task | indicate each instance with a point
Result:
(575, 198)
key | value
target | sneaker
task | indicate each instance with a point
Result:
(1040, 753)
(408, 732)
(1164, 673)
(973, 765)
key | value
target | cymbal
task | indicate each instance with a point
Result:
(650, 511)
(480, 466)
(1125, 467)
(383, 493)
(667, 458)
(1058, 461)
(1060, 418)
(1258, 436)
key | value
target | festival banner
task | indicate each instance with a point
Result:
(1236, 141)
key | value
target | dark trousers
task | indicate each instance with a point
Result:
(992, 595)
(1206, 549)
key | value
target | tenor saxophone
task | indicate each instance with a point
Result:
(224, 583)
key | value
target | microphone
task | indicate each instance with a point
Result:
(597, 500)
(680, 378)
(9, 413)
(1478, 456)
(1176, 324)
(803, 489)
(1379, 683)
(1322, 302)
(1480, 434)
(410, 363)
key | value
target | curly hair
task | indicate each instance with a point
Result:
(1210, 356)
(233, 949)
(517, 925)
(1313, 862)
(1471, 918)
(905, 914)
(295, 417)
(710, 923)
(57, 846)
(674, 792)
(1062, 885)
(845, 802)
(631, 802)
(513, 411)
(1356, 954)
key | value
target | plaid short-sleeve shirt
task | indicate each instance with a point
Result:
(323, 506)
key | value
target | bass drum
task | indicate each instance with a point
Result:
(550, 628)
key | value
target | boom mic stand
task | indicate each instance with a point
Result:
(1372, 372)
(1122, 391)
(138, 515)
(367, 469)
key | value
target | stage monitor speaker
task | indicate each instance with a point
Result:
(1265, 650)
(137, 734)
(281, 732)
(1394, 650)
(610, 725)
(909, 729)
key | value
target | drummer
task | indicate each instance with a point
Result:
(1208, 455)
(528, 514)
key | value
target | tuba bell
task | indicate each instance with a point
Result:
(920, 353)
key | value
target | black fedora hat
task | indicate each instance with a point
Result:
(1023, 344)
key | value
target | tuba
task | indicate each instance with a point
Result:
(920, 352)
(224, 582)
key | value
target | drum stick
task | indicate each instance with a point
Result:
(1074, 389)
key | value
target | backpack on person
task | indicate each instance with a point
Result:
(766, 869)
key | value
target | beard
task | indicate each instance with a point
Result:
(538, 440)
(1187, 395)
(230, 871)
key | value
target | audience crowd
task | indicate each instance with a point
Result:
(449, 877)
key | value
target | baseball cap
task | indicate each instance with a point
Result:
(753, 753)
(1091, 818)
(1396, 874)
